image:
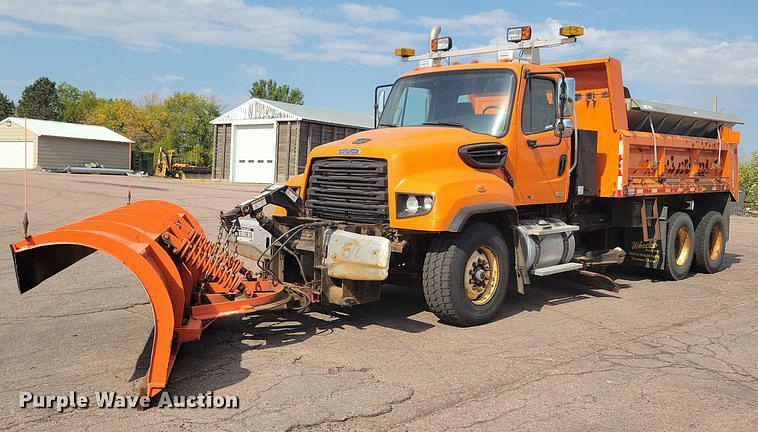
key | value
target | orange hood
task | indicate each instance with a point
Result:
(402, 142)
(424, 159)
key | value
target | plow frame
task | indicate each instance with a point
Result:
(189, 281)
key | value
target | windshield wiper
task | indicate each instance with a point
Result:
(387, 124)
(442, 123)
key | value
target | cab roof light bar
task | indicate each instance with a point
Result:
(491, 49)
(518, 40)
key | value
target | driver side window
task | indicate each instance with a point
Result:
(539, 110)
(415, 107)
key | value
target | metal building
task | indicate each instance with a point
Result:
(55, 145)
(264, 141)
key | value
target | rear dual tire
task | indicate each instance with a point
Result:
(710, 242)
(702, 247)
(680, 246)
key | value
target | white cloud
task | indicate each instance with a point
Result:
(256, 71)
(10, 29)
(368, 13)
(489, 24)
(364, 34)
(168, 78)
(680, 57)
(154, 25)
(659, 58)
(569, 4)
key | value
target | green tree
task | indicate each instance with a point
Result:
(7, 108)
(119, 115)
(187, 126)
(39, 101)
(749, 180)
(74, 105)
(269, 89)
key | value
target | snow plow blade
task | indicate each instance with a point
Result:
(190, 281)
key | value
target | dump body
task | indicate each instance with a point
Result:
(690, 152)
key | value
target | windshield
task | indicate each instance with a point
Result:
(478, 100)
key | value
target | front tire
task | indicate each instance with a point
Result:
(680, 246)
(710, 242)
(465, 275)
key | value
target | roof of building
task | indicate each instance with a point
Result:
(69, 130)
(260, 109)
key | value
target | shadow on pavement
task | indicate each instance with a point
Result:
(214, 362)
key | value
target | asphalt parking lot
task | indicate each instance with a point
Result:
(657, 356)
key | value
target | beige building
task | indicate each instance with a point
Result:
(56, 145)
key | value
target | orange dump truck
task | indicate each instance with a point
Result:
(483, 175)
(479, 177)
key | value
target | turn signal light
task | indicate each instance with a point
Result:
(518, 34)
(405, 52)
(572, 31)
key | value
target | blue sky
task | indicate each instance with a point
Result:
(681, 52)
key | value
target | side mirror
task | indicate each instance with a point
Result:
(380, 99)
(564, 127)
(567, 95)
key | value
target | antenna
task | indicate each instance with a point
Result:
(25, 222)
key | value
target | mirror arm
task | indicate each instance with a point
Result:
(376, 102)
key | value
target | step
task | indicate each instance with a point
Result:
(560, 268)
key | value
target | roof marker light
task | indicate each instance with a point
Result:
(518, 34)
(571, 31)
(442, 44)
(405, 52)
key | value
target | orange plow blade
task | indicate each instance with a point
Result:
(189, 280)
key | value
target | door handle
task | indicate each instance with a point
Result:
(561, 165)
(532, 143)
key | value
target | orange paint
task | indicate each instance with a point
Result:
(424, 159)
(166, 249)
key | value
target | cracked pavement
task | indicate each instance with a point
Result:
(658, 355)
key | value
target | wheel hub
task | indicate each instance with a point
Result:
(479, 276)
(682, 246)
(716, 243)
(482, 275)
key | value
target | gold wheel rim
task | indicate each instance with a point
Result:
(482, 276)
(716, 243)
(683, 244)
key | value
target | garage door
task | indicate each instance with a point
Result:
(254, 154)
(12, 154)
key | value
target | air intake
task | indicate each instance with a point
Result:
(484, 155)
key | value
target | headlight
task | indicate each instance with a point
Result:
(409, 205)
